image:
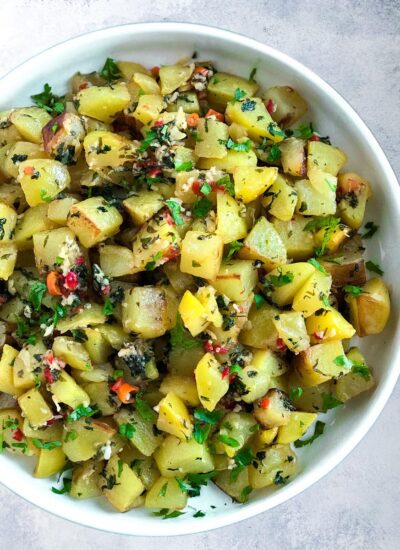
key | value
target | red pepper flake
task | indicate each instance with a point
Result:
(117, 384)
(155, 71)
(196, 187)
(158, 123)
(319, 335)
(84, 85)
(168, 218)
(28, 170)
(71, 280)
(80, 260)
(280, 344)
(220, 349)
(215, 114)
(265, 403)
(315, 137)
(208, 346)
(154, 172)
(17, 435)
(48, 375)
(55, 419)
(271, 107)
(225, 373)
(172, 252)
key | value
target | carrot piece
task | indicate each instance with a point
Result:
(52, 283)
(155, 71)
(264, 404)
(216, 114)
(124, 392)
(201, 70)
(193, 120)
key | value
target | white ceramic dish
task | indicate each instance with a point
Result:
(158, 43)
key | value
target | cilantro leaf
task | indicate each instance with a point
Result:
(227, 183)
(295, 393)
(248, 105)
(238, 95)
(181, 338)
(211, 418)
(127, 430)
(234, 146)
(274, 154)
(374, 268)
(353, 290)
(144, 409)
(362, 370)
(48, 101)
(202, 207)
(343, 361)
(37, 292)
(66, 488)
(226, 440)
(304, 131)
(259, 300)
(110, 71)
(175, 209)
(318, 431)
(371, 230)
(49, 445)
(316, 264)
(181, 166)
(108, 308)
(276, 281)
(329, 401)
(147, 141)
(81, 412)
(234, 247)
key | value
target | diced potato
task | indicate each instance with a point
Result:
(52, 245)
(212, 135)
(155, 243)
(293, 157)
(251, 182)
(106, 149)
(49, 462)
(292, 329)
(173, 417)
(312, 398)
(282, 284)
(193, 313)
(178, 280)
(287, 104)
(264, 437)
(320, 363)
(235, 426)
(332, 239)
(144, 436)
(273, 409)
(355, 192)
(326, 157)
(370, 310)
(29, 122)
(256, 377)
(183, 386)
(12, 195)
(201, 254)
(230, 162)
(357, 381)
(17, 153)
(236, 279)
(148, 108)
(222, 88)
(328, 324)
(129, 69)
(146, 83)
(252, 114)
(42, 179)
(116, 261)
(298, 424)
(264, 243)
(173, 77)
(188, 101)
(185, 457)
(7, 360)
(231, 225)
(103, 102)
(281, 199)
(10, 421)
(206, 296)
(166, 493)
(8, 220)
(89, 316)
(86, 480)
(73, 353)
(93, 221)
(299, 244)
(211, 386)
(101, 397)
(260, 332)
(142, 206)
(35, 408)
(237, 488)
(183, 361)
(275, 466)
(33, 220)
(313, 295)
(63, 137)
(66, 390)
(144, 311)
(8, 259)
(88, 435)
(121, 486)
(25, 365)
(59, 209)
(314, 202)
(113, 334)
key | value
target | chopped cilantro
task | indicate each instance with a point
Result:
(67, 483)
(227, 183)
(81, 412)
(329, 224)
(127, 430)
(234, 247)
(48, 101)
(211, 418)
(316, 264)
(304, 131)
(206, 189)
(329, 401)
(374, 268)
(279, 479)
(165, 513)
(343, 361)
(49, 445)
(253, 74)
(295, 393)
(353, 290)
(276, 281)
(148, 140)
(248, 105)
(163, 491)
(37, 292)
(181, 166)
(238, 95)
(181, 338)
(175, 209)
(152, 264)
(318, 431)
(274, 130)
(259, 300)
(371, 230)
(199, 514)
(108, 308)
(362, 370)
(274, 154)
(234, 146)
(110, 71)
(202, 207)
(226, 440)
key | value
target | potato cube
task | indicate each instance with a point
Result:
(193, 313)
(29, 121)
(11, 420)
(328, 324)
(287, 104)
(357, 381)
(273, 409)
(73, 353)
(26, 364)
(236, 488)
(66, 390)
(314, 293)
(212, 135)
(370, 310)
(252, 114)
(222, 88)
(8, 259)
(49, 462)
(88, 435)
(264, 243)
(142, 206)
(50, 247)
(251, 182)
(173, 77)
(145, 437)
(260, 332)
(17, 153)
(183, 386)
(93, 221)
(320, 363)
(298, 424)
(173, 417)
(282, 283)
(292, 329)
(293, 157)
(281, 199)
(8, 220)
(103, 102)
(148, 108)
(42, 179)
(59, 209)
(236, 279)
(89, 316)
(327, 157)
(116, 261)
(32, 221)
(278, 463)
(166, 493)
(230, 162)
(299, 243)
(8, 357)
(86, 480)
(121, 486)
(256, 377)
(106, 149)
(144, 311)
(239, 426)
(206, 296)
(231, 225)
(313, 200)
(201, 254)
(35, 408)
(187, 457)
(354, 192)
(211, 386)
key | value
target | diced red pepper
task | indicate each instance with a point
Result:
(172, 252)
(155, 71)
(125, 391)
(168, 218)
(80, 260)
(208, 346)
(48, 375)
(117, 384)
(71, 280)
(106, 290)
(154, 172)
(315, 137)
(271, 107)
(319, 335)
(28, 170)
(84, 85)
(196, 187)
(280, 344)
(193, 120)
(225, 373)
(201, 70)
(211, 113)
(158, 123)
(265, 403)
(220, 349)
(17, 435)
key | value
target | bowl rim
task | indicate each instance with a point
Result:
(386, 385)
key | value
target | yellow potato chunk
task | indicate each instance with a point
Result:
(66, 390)
(127, 487)
(292, 329)
(193, 313)
(29, 121)
(42, 179)
(370, 310)
(298, 424)
(173, 417)
(206, 296)
(166, 493)
(251, 182)
(144, 311)
(281, 284)
(230, 162)
(35, 408)
(231, 224)
(73, 353)
(49, 462)
(187, 457)
(265, 244)
(327, 325)
(103, 102)
(212, 135)
(7, 372)
(8, 259)
(183, 386)
(313, 295)
(252, 114)
(236, 279)
(211, 386)
(148, 108)
(320, 363)
(174, 76)
(201, 254)
(106, 149)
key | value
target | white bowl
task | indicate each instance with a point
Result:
(160, 43)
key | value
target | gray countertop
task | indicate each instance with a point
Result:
(355, 46)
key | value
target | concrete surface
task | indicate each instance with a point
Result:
(355, 46)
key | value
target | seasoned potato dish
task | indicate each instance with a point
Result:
(181, 272)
